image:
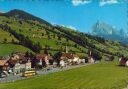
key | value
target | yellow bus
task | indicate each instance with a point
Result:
(29, 73)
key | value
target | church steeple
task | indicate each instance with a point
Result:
(66, 49)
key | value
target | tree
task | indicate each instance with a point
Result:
(10, 35)
(29, 29)
(96, 55)
(42, 34)
(13, 41)
(37, 47)
(75, 45)
(57, 57)
(49, 37)
(20, 22)
(46, 49)
(59, 37)
(47, 32)
(5, 40)
(54, 36)
(67, 40)
(20, 30)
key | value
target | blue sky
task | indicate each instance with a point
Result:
(79, 14)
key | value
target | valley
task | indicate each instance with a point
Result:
(36, 41)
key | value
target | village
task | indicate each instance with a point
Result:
(26, 64)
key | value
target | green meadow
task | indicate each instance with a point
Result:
(6, 49)
(105, 75)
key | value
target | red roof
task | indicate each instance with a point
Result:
(3, 62)
(13, 61)
(68, 56)
(41, 56)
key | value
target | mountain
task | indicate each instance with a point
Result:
(101, 28)
(109, 32)
(22, 31)
(1, 12)
(20, 14)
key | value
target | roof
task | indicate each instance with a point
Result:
(41, 56)
(3, 62)
(13, 62)
(50, 57)
(68, 56)
(19, 56)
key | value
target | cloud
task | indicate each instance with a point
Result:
(80, 2)
(70, 27)
(104, 2)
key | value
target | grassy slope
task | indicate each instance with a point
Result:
(111, 46)
(6, 49)
(6, 35)
(34, 32)
(98, 76)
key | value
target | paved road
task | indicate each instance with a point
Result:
(12, 78)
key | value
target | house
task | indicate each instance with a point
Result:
(82, 61)
(16, 69)
(91, 57)
(42, 59)
(51, 60)
(69, 58)
(126, 64)
(122, 61)
(21, 67)
(63, 63)
(20, 57)
(28, 65)
(4, 66)
(19, 63)
(55, 64)
(91, 60)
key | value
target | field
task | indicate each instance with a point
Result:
(105, 75)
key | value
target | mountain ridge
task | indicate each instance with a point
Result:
(109, 32)
(20, 14)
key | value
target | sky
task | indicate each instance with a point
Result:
(76, 14)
